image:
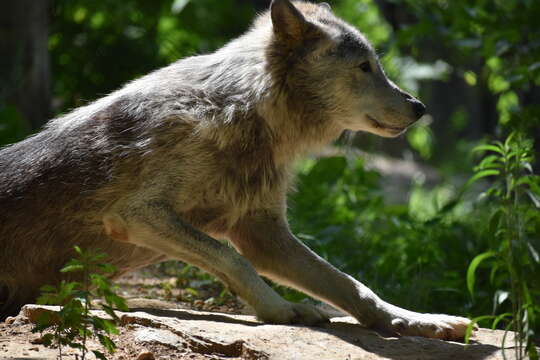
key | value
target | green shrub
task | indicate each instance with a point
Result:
(74, 323)
(513, 255)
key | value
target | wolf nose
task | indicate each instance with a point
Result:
(419, 109)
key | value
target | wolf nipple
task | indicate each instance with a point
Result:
(115, 228)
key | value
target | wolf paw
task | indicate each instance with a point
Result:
(438, 326)
(292, 313)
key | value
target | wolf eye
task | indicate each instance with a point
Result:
(365, 67)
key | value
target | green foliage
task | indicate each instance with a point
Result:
(191, 279)
(500, 32)
(514, 221)
(421, 139)
(471, 272)
(108, 43)
(74, 323)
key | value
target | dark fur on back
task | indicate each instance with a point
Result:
(48, 187)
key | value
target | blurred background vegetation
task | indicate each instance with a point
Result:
(407, 221)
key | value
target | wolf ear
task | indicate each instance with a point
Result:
(288, 22)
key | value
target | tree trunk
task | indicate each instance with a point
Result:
(24, 60)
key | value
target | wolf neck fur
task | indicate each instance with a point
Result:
(247, 99)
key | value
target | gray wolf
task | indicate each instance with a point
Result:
(202, 150)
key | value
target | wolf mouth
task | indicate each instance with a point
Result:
(379, 125)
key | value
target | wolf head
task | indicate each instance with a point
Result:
(332, 65)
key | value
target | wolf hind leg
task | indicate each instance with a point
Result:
(14, 296)
(158, 228)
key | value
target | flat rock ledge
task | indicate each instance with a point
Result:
(193, 334)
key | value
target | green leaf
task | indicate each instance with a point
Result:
(47, 299)
(84, 331)
(99, 355)
(533, 252)
(527, 295)
(43, 322)
(99, 281)
(490, 161)
(110, 311)
(531, 351)
(48, 288)
(499, 318)
(66, 289)
(47, 339)
(107, 343)
(328, 170)
(487, 147)
(481, 174)
(509, 139)
(75, 345)
(117, 301)
(191, 291)
(72, 268)
(96, 257)
(534, 198)
(495, 219)
(493, 272)
(527, 166)
(109, 327)
(178, 5)
(471, 271)
(471, 325)
(107, 268)
(82, 294)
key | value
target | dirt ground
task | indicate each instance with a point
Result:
(185, 285)
(167, 284)
(171, 290)
(18, 342)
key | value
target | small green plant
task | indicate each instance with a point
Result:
(74, 323)
(513, 258)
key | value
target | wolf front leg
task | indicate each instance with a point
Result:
(157, 227)
(267, 242)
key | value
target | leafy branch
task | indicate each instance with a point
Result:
(514, 259)
(74, 323)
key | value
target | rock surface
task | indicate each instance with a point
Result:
(189, 334)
